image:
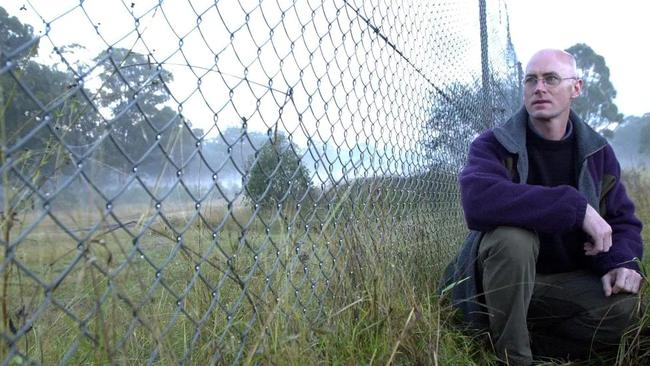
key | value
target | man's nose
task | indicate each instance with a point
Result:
(540, 85)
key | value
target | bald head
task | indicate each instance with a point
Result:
(562, 59)
(550, 85)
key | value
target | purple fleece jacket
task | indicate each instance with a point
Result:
(493, 195)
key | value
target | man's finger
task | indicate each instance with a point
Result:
(637, 288)
(621, 283)
(598, 244)
(607, 284)
(607, 243)
(634, 282)
(590, 249)
(631, 285)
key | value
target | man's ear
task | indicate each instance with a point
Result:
(576, 89)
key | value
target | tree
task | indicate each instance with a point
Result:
(277, 174)
(630, 141)
(133, 89)
(644, 138)
(13, 35)
(35, 99)
(231, 151)
(596, 105)
(20, 113)
(455, 121)
(49, 118)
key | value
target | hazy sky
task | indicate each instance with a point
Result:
(617, 30)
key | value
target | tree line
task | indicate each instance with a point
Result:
(108, 117)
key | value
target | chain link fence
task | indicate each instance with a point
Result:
(178, 176)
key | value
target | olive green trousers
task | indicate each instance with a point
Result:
(563, 315)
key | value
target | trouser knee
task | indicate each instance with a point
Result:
(507, 259)
(613, 320)
(511, 244)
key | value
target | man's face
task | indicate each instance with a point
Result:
(550, 84)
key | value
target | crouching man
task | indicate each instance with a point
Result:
(550, 265)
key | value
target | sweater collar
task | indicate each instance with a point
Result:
(567, 132)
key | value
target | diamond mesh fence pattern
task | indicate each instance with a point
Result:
(178, 176)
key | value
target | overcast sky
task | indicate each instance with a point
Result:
(617, 30)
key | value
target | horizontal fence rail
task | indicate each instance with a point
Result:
(183, 179)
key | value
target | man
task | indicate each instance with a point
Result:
(550, 264)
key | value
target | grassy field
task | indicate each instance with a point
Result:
(347, 284)
(399, 319)
(158, 288)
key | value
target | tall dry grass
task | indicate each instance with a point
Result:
(361, 289)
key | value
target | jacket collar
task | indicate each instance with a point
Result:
(512, 135)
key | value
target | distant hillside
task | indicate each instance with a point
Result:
(626, 142)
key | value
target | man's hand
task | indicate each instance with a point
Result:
(621, 280)
(599, 231)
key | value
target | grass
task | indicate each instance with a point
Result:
(355, 284)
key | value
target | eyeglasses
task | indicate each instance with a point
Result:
(548, 80)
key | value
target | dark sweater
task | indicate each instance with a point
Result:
(551, 164)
